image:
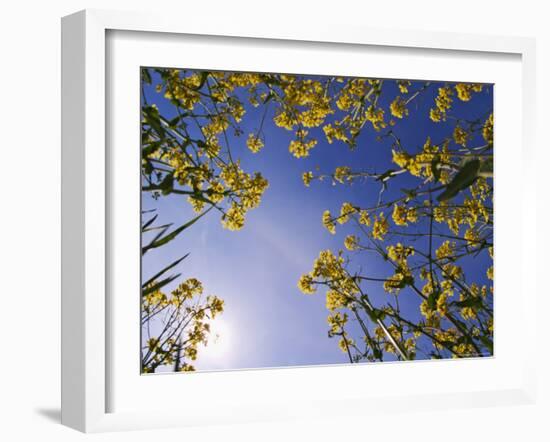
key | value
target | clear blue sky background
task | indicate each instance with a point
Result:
(255, 270)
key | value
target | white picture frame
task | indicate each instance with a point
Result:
(87, 353)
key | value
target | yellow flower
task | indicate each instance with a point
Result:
(305, 284)
(191, 353)
(335, 300)
(234, 218)
(187, 367)
(380, 227)
(403, 86)
(216, 192)
(351, 242)
(464, 90)
(487, 131)
(197, 204)
(346, 210)
(328, 222)
(399, 215)
(399, 253)
(336, 322)
(364, 218)
(443, 103)
(254, 143)
(471, 236)
(445, 251)
(307, 177)
(341, 173)
(335, 132)
(402, 159)
(301, 146)
(460, 136)
(398, 107)
(285, 120)
(376, 117)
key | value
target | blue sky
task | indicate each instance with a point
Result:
(267, 320)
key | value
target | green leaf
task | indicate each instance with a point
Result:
(173, 123)
(146, 76)
(152, 118)
(163, 230)
(375, 315)
(464, 178)
(269, 97)
(167, 184)
(204, 76)
(411, 193)
(158, 285)
(433, 298)
(472, 302)
(148, 223)
(488, 343)
(164, 270)
(166, 239)
(486, 168)
(150, 148)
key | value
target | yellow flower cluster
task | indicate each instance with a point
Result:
(445, 250)
(329, 269)
(215, 305)
(182, 318)
(351, 242)
(345, 343)
(351, 93)
(247, 191)
(460, 136)
(364, 218)
(306, 284)
(233, 219)
(420, 165)
(335, 300)
(301, 146)
(337, 321)
(443, 103)
(403, 86)
(342, 173)
(376, 117)
(299, 93)
(403, 275)
(399, 253)
(380, 227)
(328, 222)
(307, 177)
(216, 192)
(487, 130)
(464, 90)
(472, 236)
(474, 209)
(336, 132)
(402, 215)
(398, 107)
(254, 143)
(454, 217)
(183, 89)
(346, 210)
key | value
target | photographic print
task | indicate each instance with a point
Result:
(301, 220)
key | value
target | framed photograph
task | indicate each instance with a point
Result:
(269, 222)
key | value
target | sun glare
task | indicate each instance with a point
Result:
(219, 342)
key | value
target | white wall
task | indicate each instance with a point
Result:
(30, 220)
